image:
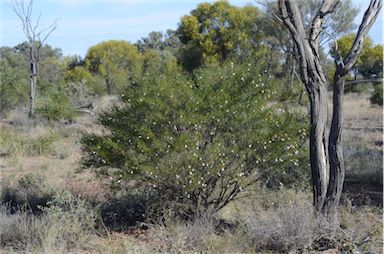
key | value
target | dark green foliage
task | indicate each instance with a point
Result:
(13, 79)
(159, 41)
(377, 95)
(199, 142)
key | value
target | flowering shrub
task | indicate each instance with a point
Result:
(198, 142)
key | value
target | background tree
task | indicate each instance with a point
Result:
(154, 40)
(326, 155)
(117, 62)
(14, 80)
(159, 62)
(36, 36)
(371, 66)
(214, 32)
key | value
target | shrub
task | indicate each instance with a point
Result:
(19, 231)
(377, 95)
(11, 142)
(30, 192)
(186, 236)
(55, 106)
(199, 142)
(67, 223)
(70, 220)
(15, 144)
(42, 145)
(80, 78)
(79, 94)
(289, 227)
(121, 213)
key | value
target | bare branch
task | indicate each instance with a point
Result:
(37, 22)
(338, 59)
(369, 18)
(48, 31)
(270, 10)
(364, 81)
(24, 12)
(327, 7)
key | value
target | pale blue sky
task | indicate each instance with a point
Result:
(83, 23)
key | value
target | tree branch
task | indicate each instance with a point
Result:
(363, 81)
(327, 7)
(369, 18)
(270, 10)
(289, 12)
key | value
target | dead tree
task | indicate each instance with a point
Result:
(326, 153)
(36, 36)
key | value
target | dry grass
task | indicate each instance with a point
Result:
(363, 123)
(67, 223)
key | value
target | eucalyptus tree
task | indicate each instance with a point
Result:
(326, 153)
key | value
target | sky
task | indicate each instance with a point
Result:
(84, 23)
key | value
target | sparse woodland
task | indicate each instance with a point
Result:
(254, 129)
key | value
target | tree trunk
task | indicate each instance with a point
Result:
(109, 86)
(335, 148)
(318, 143)
(32, 88)
(326, 152)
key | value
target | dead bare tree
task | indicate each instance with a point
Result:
(326, 153)
(36, 36)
